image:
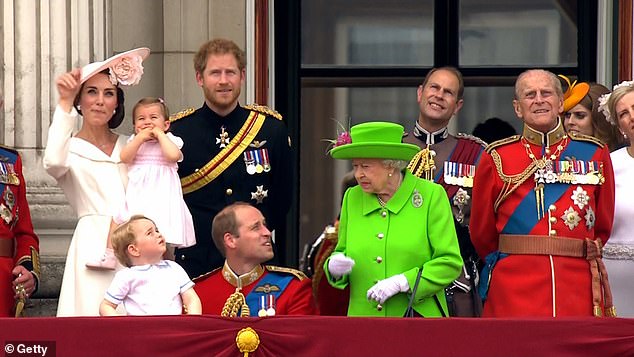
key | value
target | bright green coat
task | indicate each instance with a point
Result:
(398, 239)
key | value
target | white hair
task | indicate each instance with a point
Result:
(400, 165)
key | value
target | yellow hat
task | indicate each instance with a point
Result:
(575, 93)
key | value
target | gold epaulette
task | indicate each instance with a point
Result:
(264, 110)
(202, 276)
(472, 138)
(587, 138)
(298, 274)
(495, 144)
(183, 113)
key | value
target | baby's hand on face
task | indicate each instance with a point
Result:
(145, 134)
(157, 132)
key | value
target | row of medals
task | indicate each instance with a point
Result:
(458, 174)
(8, 176)
(6, 212)
(464, 181)
(547, 174)
(267, 305)
(256, 162)
(11, 179)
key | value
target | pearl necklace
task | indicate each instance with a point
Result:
(398, 184)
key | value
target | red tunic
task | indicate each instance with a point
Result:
(540, 285)
(330, 301)
(15, 210)
(296, 299)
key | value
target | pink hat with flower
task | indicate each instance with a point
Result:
(125, 68)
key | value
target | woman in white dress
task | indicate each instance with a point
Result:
(87, 167)
(618, 253)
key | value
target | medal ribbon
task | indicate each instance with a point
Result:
(272, 278)
(523, 219)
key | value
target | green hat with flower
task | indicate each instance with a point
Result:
(374, 140)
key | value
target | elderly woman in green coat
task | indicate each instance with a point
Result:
(393, 226)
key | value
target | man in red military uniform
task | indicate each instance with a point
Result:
(243, 286)
(543, 204)
(19, 246)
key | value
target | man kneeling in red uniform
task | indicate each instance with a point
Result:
(243, 286)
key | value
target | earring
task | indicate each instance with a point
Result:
(114, 112)
(389, 175)
(78, 107)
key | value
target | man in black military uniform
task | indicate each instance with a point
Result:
(449, 160)
(230, 153)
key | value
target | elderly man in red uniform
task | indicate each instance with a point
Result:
(243, 286)
(19, 246)
(543, 204)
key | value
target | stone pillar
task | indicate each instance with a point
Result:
(39, 40)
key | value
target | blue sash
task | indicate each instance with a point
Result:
(487, 271)
(271, 284)
(524, 218)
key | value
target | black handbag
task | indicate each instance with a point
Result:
(409, 312)
(463, 298)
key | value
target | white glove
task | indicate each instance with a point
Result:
(387, 288)
(339, 265)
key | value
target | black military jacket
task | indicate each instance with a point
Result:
(268, 188)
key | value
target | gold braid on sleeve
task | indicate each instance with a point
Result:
(511, 182)
(236, 306)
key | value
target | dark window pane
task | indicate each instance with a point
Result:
(367, 32)
(481, 103)
(518, 33)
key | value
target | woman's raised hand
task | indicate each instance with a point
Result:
(68, 85)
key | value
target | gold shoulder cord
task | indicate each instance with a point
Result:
(511, 182)
(236, 306)
(422, 164)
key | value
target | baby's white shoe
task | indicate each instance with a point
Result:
(107, 262)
